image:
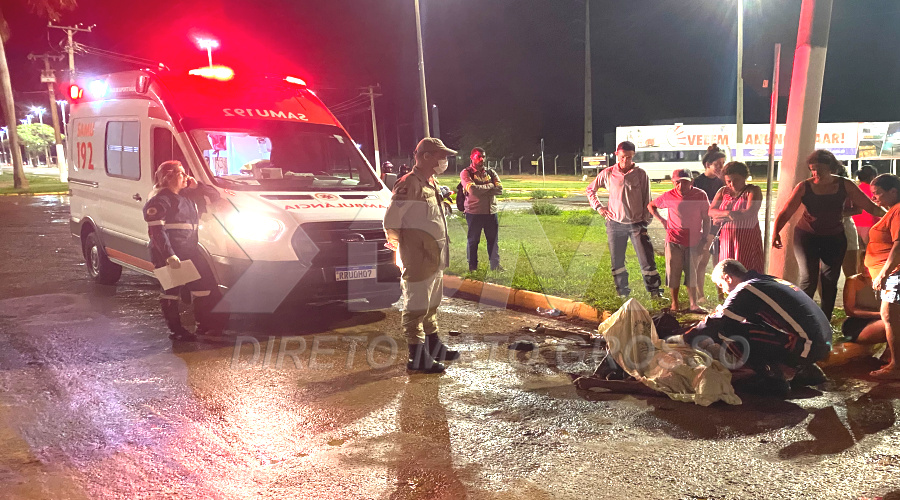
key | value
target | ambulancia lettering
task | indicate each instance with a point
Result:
(304, 206)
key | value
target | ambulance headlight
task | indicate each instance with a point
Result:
(256, 227)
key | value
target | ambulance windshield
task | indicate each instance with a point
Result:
(269, 155)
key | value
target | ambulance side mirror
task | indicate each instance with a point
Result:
(390, 180)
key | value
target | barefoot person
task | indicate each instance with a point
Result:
(883, 263)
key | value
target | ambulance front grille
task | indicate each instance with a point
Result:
(329, 243)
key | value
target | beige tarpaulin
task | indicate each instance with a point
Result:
(680, 371)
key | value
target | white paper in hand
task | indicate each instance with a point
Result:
(170, 278)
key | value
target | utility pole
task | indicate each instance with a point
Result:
(48, 77)
(423, 96)
(739, 114)
(375, 131)
(588, 102)
(70, 45)
(802, 119)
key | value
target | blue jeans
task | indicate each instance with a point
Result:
(618, 234)
(490, 224)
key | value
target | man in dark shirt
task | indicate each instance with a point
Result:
(768, 324)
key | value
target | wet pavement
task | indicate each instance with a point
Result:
(96, 402)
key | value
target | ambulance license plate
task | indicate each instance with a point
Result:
(354, 273)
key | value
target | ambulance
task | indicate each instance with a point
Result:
(301, 210)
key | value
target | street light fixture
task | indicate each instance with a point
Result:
(39, 111)
(208, 44)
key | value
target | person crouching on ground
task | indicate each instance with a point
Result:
(863, 324)
(172, 220)
(686, 231)
(883, 263)
(416, 228)
(767, 323)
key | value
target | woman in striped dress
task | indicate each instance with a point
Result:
(736, 207)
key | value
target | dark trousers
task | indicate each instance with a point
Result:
(204, 294)
(820, 257)
(490, 224)
(617, 235)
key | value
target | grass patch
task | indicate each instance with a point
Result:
(579, 217)
(540, 194)
(545, 208)
(568, 260)
(36, 184)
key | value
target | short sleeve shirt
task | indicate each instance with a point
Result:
(685, 215)
(709, 185)
(881, 239)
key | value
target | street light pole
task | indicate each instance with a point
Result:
(588, 101)
(39, 111)
(436, 121)
(739, 115)
(208, 44)
(424, 103)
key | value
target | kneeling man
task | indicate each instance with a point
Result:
(768, 324)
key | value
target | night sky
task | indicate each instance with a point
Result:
(509, 70)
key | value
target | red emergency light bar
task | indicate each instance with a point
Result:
(75, 92)
(295, 80)
(220, 73)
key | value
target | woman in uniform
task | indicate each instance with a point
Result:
(172, 218)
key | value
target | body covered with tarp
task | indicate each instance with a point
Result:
(677, 370)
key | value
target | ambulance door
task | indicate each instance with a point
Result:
(125, 189)
(86, 168)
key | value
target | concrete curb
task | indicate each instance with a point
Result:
(35, 194)
(504, 297)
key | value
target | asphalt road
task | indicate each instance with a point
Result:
(96, 402)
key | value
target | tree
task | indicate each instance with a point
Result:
(36, 138)
(49, 9)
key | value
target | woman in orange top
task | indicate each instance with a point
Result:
(883, 262)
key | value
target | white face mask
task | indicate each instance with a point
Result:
(441, 166)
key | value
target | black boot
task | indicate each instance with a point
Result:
(438, 350)
(173, 320)
(209, 323)
(421, 361)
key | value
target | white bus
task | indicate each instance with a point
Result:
(660, 149)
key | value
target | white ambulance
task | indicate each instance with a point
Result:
(300, 219)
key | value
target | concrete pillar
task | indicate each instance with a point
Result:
(802, 120)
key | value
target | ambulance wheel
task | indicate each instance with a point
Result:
(98, 264)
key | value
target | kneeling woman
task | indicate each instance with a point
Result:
(172, 219)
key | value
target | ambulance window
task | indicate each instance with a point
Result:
(123, 158)
(165, 148)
